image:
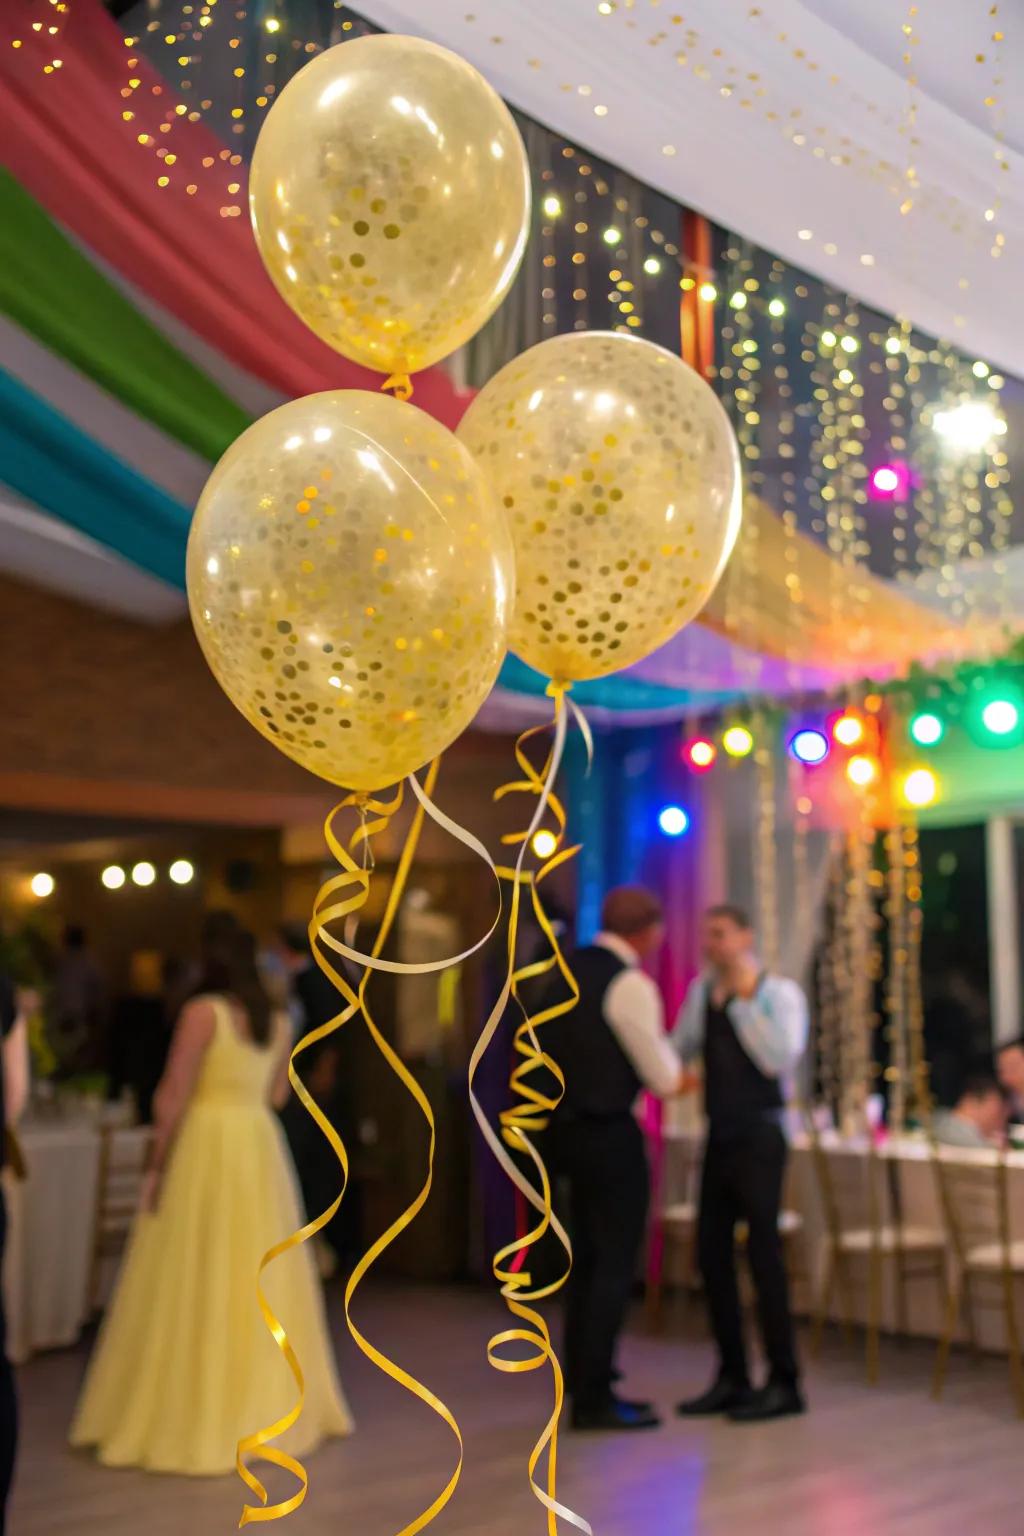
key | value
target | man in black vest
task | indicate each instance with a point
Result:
(751, 1029)
(610, 1046)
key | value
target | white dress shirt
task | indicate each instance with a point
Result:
(635, 1015)
(771, 1026)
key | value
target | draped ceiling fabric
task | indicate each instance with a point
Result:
(113, 407)
(793, 116)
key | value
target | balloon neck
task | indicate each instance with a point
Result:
(399, 385)
(558, 688)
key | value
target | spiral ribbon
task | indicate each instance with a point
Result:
(338, 902)
(531, 1107)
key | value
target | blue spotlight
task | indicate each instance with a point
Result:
(673, 821)
(809, 747)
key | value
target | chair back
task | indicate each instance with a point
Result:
(973, 1192)
(124, 1154)
(852, 1186)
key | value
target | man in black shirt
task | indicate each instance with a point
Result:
(609, 1047)
(751, 1029)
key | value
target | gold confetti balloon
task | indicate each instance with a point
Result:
(390, 196)
(350, 578)
(619, 471)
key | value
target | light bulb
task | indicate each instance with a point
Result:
(673, 821)
(927, 729)
(920, 787)
(544, 843)
(43, 885)
(708, 292)
(862, 771)
(143, 873)
(777, 308)
(113, 877)
(182, 871)
(738, 741)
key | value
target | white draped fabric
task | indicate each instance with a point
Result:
(795, 124)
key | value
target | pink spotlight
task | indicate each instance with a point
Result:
(890, 482)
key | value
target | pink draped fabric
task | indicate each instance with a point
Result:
(67, 140)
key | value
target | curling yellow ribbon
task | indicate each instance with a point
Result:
(531, 1107)
(399, 385)
(339, 901)
(374, 817)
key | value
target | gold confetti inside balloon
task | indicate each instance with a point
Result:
(350, 579)
(390, 196)
(619, 470)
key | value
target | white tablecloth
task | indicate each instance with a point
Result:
(921, 1208)
(51, 1222)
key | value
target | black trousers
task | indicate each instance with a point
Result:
(8, 1397)
(742, 1181)
(605, 1167)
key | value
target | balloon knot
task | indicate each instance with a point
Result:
(399, 385)
(557, 688)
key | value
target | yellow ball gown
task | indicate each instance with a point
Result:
(185, 1366)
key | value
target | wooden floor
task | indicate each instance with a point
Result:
(885, 1460)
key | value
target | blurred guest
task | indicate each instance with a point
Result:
(751, 1029)
(957, 1032)
(13, 1097)
(609, 1046)
(183, 1369)
(978, 1119)
(1010, 1071)
(77, 1003)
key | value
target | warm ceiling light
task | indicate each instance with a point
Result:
(920, 788)
(113, 877)
(143, 873)
(777, 308)
(182, 871)
(738, 301)
(43, 885)
(862, 771)
(652, 266)
(612, 236)
(848, 730)
(708, 292)
(544, 843)
(552, 206)
(850, 344)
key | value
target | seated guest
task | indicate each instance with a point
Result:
(751, 1029)
(1010, 1071)
(978, 1119)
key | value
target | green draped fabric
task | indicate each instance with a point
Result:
(49, 288)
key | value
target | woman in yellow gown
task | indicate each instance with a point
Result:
(185, 1365)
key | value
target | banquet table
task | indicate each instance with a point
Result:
(51, 1223)
(915, 1176)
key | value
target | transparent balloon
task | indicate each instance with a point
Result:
(350, 580)
(390, 197)
(619, 471)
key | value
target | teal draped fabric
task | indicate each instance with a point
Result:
(48, 460)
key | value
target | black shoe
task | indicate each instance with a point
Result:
(723, 1396)
(615, 1414)
(778, 1400)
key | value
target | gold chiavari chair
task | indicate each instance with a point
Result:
(988, 1263)
(124, 1154)
(864, 1231)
